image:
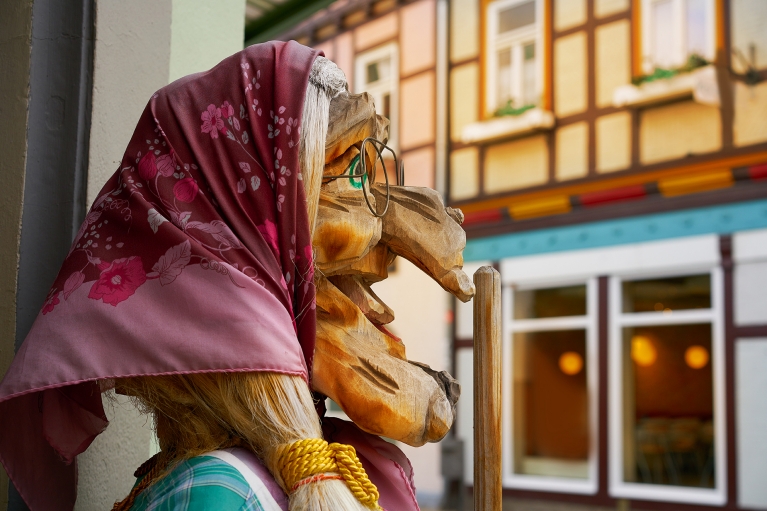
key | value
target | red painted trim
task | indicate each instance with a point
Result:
(757, 172)
(614, 195)
(478, 217)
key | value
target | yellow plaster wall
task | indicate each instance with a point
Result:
(604, 8)
(676, 130)
(344, 56)
(464, 98)
(419, 167)
(613, 60)
(516, 164)
(613, 134)
(376, 32)
(569, 13)
(570, 67)
(464, 173)
(464, 29)
(572, 160)
(417, 36)
(417, 110)
(750, 125)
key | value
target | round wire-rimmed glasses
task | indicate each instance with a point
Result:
(379, 147)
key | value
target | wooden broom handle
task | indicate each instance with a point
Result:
(487, 390)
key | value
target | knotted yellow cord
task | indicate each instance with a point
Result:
(312, 456)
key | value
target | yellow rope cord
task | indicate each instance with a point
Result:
(313, 456)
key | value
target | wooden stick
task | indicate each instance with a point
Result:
(487, 390)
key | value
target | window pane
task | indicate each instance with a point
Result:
(696, 27)
(668, 405)
(528, 71)
(662, 33)
(378, 70)
(516, 17)
(669, 294)
(504, 76)
(550, 303)
(551, 426)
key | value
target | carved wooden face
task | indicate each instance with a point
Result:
(358, 363)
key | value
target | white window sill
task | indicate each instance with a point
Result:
(531, 121)
(700, 85)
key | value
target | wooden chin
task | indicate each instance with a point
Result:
(366, 372)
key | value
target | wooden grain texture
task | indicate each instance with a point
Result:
(487, 390)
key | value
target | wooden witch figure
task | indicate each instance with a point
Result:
(222, 277)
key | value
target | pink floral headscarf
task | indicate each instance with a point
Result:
(195, 257)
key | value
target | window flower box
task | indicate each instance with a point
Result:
(535, 119)
(700, 85)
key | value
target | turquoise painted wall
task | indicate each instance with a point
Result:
(712, 220)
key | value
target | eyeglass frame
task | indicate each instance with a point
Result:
(379, 147)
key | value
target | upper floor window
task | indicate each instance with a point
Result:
(513, 54)
(675, 30)
(377, 73)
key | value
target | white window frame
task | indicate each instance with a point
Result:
(670, 257)
(391, 86)
(587, 322)
(619, 320)
(515, 40)
(679, 49)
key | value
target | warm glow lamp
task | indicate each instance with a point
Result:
(642, 351)
(696, 357)
(570, 363)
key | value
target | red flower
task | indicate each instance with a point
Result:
(51, 302)
(227, 110)
(212, 122)
(119, 281)
(147, 168)
(185, 190)
(165, 165)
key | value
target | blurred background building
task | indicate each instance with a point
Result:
(610, 157)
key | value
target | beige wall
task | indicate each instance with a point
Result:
(15, 44)
(604, 8)
(613, 133)
(517, 164)
(676, 130)
(569, 13)
(416, 109)
(418, 25)
(464, 29)
(572, 151)
(464, 98)
(376, 32)
(570, 69)
(612, 60)
(464, 173)
(750, 114)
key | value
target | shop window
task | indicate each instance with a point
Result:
(667, 330)
(377, 73)
(551, 432)
(674, 31)
(513, 56)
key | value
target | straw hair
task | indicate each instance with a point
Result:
(263, 412)
(326, 81)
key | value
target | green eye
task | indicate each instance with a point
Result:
(356, 182)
